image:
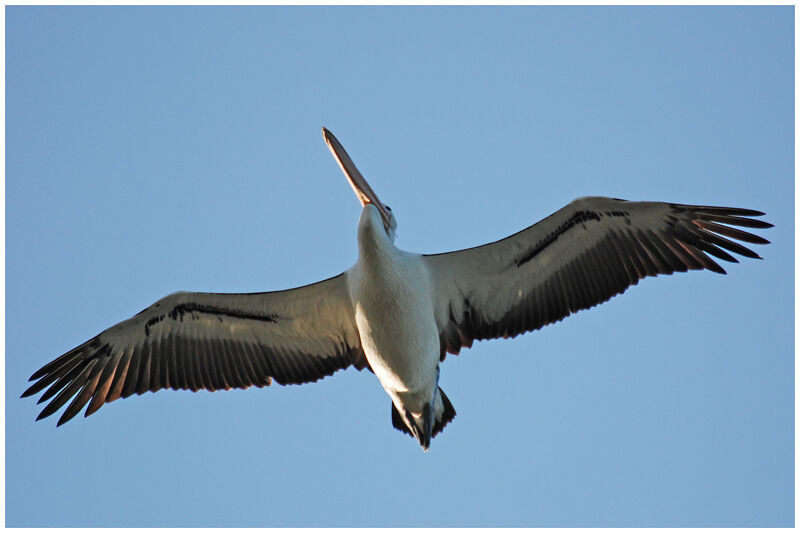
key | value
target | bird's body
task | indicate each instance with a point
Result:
(395, 313)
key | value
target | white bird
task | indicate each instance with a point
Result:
(394, 312)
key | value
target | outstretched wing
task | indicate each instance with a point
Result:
(580, 256)
(208, 341)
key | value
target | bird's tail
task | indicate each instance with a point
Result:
(448, 414)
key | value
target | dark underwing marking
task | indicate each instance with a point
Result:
(178, 312)
(152, 322)
(579, 218)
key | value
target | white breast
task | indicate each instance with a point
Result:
(394, 314)
(390, 291)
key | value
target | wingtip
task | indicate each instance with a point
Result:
(91, 409)
(66, 417)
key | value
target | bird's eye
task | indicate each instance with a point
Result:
(388, 208)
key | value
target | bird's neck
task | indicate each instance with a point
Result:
(373, 242)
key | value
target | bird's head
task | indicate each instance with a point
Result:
(363, 191)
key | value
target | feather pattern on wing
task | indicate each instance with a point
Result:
(580, 256)
(208, 341)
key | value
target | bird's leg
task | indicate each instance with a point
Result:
(429, 416)
(412, 425)
(423, 434)
(427, 425)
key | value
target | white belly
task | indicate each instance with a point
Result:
(394, 314)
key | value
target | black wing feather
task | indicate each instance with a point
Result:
(579, 257)
(197, 341)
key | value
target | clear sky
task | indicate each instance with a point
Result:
(150, 150)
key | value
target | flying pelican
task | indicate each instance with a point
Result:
(394, 312)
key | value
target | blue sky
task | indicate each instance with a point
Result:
(150, 150)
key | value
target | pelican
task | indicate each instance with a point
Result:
(394, 312)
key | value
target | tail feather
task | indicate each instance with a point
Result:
(398, 422)
(448, 414)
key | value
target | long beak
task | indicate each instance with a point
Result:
(360, 186)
